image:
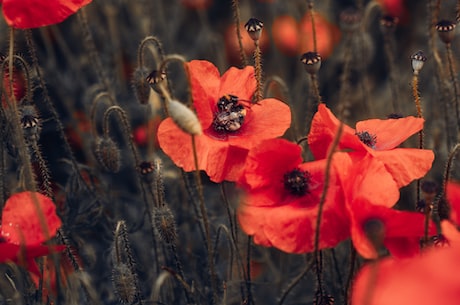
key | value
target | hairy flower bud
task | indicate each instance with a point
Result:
(184, 117)
(107, 154)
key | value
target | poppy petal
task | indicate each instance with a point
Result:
(453, 196)
(220, 160)
(406, 164)
(267, 119)
(205, 82)
(26, 14)
(21, 222)
(239, 82)
(391, 132)
(252, 221)
(323, 129)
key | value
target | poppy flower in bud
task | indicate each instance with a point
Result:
(376, 137)
(231, 124)
(282, 195)
(28, 14)
(431, 278)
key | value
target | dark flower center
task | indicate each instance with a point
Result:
(296, 182)
(230, 115)
(367, 138)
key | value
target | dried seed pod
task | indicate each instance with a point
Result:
(254, 28)
(446, 30)
(312, 62)
(163, 220)
(350, 19)
(146, 169)
(388, 23)
(418, 60)
(107, 154)
(30, 123)
(184, 117)
(124, 280)
(141, 85)
(155, 78)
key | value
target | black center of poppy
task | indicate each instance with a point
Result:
(367, 138)
(296, 182)
(230, 114)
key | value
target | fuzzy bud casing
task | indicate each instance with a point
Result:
(184, 117)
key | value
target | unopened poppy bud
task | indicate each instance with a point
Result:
(163, 220)
(375, 231)
(107, 154)
(254, 28)
(124, 280)
(311, 61)
(141, 85)
(184, 117)
(418, 60)
(446, 30)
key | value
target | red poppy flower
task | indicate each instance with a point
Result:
(432, 278)
(280, 207)
(378, 138)
(27, 14)
(453, 196)
(231, 125)
(23, 232)
(20, 219)
(370, 191)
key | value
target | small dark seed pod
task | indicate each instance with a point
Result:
(254, 28)
(30, 123)
(311, 61)
(388, 23)
(418, 60)
(124, 280)
(146, 169)
(141, 85)
(446, 30)
(163, 220)
(155, 78)
(107, 154)
(350, 19)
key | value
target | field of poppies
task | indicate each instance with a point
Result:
(226, 152)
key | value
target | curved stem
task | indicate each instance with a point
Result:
(158, 56)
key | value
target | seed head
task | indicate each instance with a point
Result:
(350, 19)
(146, 169)
(446, 30)
(155, 78)
(254, 28)
(124, 280)
(388, 23)
(418, 60)
(311, 61)
(30, 123)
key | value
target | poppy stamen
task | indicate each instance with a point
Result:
(367, 138)
(230, 115)
(296, 182)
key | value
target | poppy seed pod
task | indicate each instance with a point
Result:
(446, 30)
(107, 154)
(254, 28)
(418, 60)
(184, 117)
(312, 62)
(30, 123)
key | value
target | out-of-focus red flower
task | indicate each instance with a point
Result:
(453, 196)
(379, 138)
(327, 35)
(231, 124)
(27, 14)
(21, 222)
(143, 133)
(232, 46)
(197, 4)
(431, 278)
(18, 86)
(280, 206)
(395, 8)
(22, 229)
(285, 32)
